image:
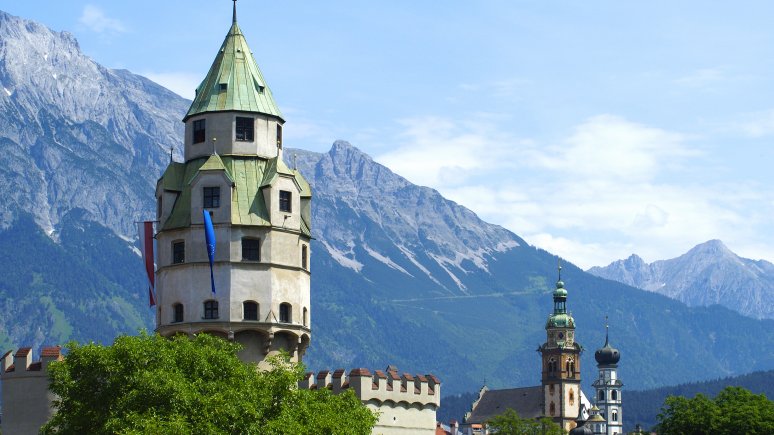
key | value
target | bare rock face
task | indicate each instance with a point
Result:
(706, 275)
(359, 202)
(66, 121)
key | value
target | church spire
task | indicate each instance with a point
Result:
(233, 17)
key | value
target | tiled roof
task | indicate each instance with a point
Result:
(527, 402)
(234, 81)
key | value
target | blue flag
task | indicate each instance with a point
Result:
(209, 236)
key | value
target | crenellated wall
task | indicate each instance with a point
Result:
(27, 403)
(406, 403)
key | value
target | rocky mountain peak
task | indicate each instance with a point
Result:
(67, 122)
(709, 273)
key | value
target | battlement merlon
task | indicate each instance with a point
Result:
(20, 363)
(381, 386)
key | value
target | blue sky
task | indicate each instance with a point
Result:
(592, 129)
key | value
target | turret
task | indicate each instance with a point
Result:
(261, 213)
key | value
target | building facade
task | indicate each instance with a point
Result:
(608, 390)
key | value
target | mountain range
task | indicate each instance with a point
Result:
(400, 275)
(707, 274)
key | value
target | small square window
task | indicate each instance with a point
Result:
(198, 131)
(244, 129)
(178, 252)
(251, 250)
(211, 309)
(211, 197)
(285, 201)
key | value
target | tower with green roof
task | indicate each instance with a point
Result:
(560, 356)
(260, 209)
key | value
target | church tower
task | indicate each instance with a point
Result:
(260, 210)
(608, 389)
(561, 363)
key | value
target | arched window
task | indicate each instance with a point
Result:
(572, 397)
(305, 313)
(615, 415)
(552, 409)
(304, 256)
(551, 365)
(601, 395)
(285, 313)
(615, 395)
(210, 309)
(177, 313)
(572, 368)
(567, 368)
(250, 310)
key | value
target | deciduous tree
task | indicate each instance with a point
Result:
(148, 384)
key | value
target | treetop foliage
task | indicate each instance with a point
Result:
(733, 411)
(150, 384)
(509, 423)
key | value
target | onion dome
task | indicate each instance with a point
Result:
(607, 355)
(581, 428)
(560, 317)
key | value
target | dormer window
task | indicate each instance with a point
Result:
(244, 129)
(198, 131)
(211, 197)
(285, 201)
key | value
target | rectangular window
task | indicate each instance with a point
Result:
(178, 252)
(251, 250)
(284, 199)
(244, 129)
(251, 310)
(303, 256)
(178, 317)
(211, 310)
(279, 136)
(211, 197)
(198, 131)
(285, 313)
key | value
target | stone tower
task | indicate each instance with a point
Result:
(561, 363)
(260, 211)
(608, 389)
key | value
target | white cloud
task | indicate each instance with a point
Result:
(95, 19)
(702, 78)
(181, 83)
(611, 188)
(757, 124)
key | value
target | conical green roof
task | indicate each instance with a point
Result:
(234, 81)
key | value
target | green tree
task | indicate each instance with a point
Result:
(148, 384)
(734, 410)
(509, 423)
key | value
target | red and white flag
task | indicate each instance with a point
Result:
(146, 247)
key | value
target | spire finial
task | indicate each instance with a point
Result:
(171, 150)
(233, 18)
(607, 330)
(559, 267)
